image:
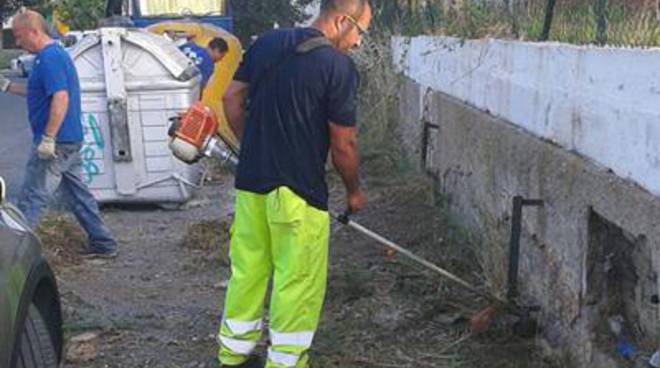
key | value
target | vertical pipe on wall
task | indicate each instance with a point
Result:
(547, 22)
(601, 22)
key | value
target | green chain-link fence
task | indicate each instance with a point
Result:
(611, 22)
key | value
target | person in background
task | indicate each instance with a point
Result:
(54, 109)
(217, 48)
(205, 58)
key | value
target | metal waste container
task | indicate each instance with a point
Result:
(132, 82)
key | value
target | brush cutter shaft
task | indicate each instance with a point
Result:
(446, 274)
(220, 151)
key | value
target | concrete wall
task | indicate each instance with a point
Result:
(599, 102)
(592, 252)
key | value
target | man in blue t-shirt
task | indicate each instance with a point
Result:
(205, 58)
(301, 89)
(53, 99)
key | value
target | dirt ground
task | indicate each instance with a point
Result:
(159, 303)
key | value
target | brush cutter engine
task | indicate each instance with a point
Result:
(193, 136)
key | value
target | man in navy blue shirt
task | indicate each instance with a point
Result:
(301, 88)
(53, 99)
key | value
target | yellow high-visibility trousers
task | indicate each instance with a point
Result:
(276, 234)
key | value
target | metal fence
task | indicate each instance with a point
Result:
(602, 22)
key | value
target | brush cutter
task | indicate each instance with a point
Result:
(193, 137)
(480, 321)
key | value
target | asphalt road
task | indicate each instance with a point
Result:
(15, 140)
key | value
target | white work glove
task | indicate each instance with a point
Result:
(46, 149)
(4, 83)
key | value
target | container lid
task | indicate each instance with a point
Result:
(149, 61)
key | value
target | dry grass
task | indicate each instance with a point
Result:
(629, 23)
(383, 310)
(209, 240)
(377, 113)
(62, 239)
(492, 252)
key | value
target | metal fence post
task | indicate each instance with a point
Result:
(511, 10)
(601, 22)
(547, 22)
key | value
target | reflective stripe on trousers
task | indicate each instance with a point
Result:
(303, 339)
(242, 327)
(237, 346)
(282, 359)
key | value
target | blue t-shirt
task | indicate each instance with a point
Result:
(54, 71)
(201, 58)
(292, 99)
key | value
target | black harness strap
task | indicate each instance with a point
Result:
(302, 48)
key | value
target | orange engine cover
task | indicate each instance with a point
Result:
(197, 125)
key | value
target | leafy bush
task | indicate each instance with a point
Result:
(253, 17)
(626, 22)
(81, 14)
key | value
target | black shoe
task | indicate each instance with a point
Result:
(253, 361)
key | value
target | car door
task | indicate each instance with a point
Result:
(14, 239)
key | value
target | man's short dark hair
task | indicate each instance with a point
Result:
(219, 44)
(351, 7)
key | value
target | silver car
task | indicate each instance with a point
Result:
(30, 313)
(23, 65)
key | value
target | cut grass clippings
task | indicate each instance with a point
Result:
(210, 240)
(62, 239)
